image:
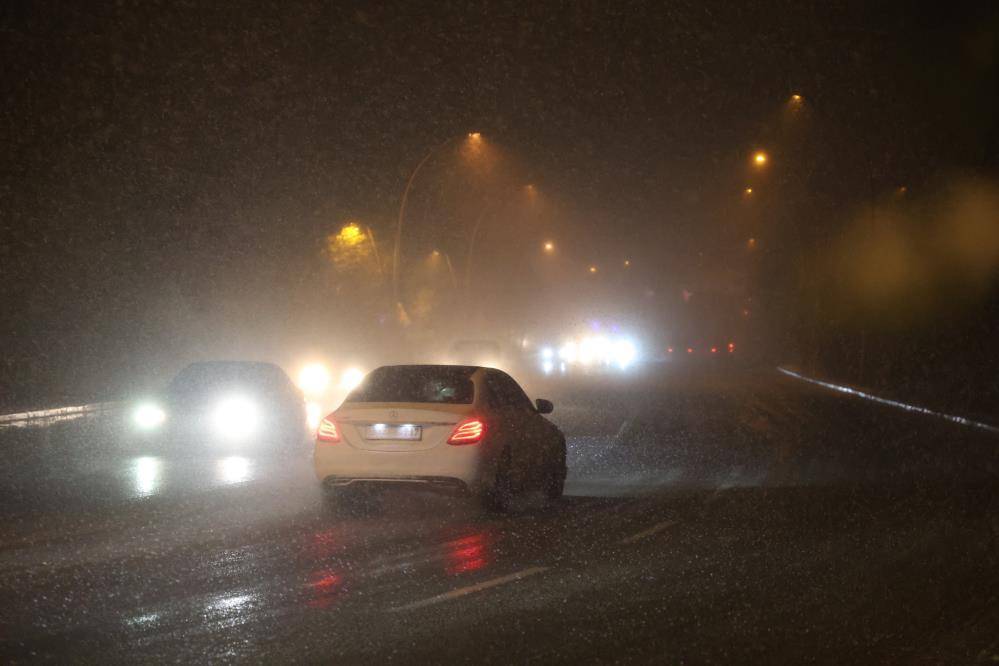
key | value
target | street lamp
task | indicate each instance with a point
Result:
(627, 263)
(549, 247)
(472, 136)
(760, 158)
(748, 191)
(593, 269)
(796, 98)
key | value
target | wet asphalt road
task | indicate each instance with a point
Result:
(709, 517)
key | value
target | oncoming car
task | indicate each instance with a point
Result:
(467, 428)
(226, 403)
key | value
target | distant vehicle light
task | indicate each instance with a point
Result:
(690, 350)
(714, 350)
(351, 378)
(313, 379)
(731, 347)
(547, 367)
(149, 416)
(547, 353)
(236, 417)
(328, 432)
(468, 431)
(624, 353)
(670, 350)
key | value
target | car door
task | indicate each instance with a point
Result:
(520, 425)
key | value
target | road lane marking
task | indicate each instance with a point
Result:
(471, 589)
(892, 403)
(655, 529)
(620, 431)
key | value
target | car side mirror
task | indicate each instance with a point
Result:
(544, 406)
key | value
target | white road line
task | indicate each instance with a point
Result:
(655, 529)
(892, 403)
(471, 589)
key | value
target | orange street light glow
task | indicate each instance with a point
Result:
(627, 262)
(760, 158)
(549, 246)
(748, 190)
(593, 269)
(796, 98)
(474, 136)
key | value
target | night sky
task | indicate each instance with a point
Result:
(158, 154)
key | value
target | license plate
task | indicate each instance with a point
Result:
(387, 431)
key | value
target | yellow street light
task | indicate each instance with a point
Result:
(474, 136)
(593, 269)
(549, 247)
(760, 158)
(627, 262)
(796, 98)
(751, 244)
(748, 191)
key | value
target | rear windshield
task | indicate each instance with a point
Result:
(437, 384)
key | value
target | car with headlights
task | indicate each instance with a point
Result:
(469, 429)
(225, 403)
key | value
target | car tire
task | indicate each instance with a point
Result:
(554, 482)
(499, 498)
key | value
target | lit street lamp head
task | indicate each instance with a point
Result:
(593, 269)
(474, 136)
(549, 246)
(760, 158)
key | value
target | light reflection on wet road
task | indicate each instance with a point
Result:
(701, 497)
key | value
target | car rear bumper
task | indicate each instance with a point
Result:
(441, 484)
(459, 466)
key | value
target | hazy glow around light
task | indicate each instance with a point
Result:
(351, 378)
(313, 414)
(313, 379)
(234, 469)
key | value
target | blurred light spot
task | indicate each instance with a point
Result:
(234, 469)
(146, 471)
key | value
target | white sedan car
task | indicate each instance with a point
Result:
(442, 426)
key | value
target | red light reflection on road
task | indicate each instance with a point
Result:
(467, 554)
(323, 588)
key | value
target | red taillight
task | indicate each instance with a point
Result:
(468, 431)
(731, 347)
(670, 350)
(714, 350)
(690, 350)
(328, 432)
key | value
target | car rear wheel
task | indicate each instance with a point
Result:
(499, 498)
(554, 482)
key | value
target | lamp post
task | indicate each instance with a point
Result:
(472, 136)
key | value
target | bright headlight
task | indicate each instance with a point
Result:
(313, 379)
(235, 417)
(148, 416)
(624, 353)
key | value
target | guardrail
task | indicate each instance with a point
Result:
(59, 412)
(891, 403)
